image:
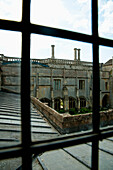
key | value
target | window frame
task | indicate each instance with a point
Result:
(57, 84)
(106, 86)
(27, 148)
(81, 84)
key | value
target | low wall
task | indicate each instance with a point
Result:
(66, 123)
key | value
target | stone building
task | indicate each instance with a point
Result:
(62, 84)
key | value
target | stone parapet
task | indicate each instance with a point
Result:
(48, 112)
(46, 61)
(66, 123)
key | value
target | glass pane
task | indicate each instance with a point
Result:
(10, 109)
(106, 85)
(74, 157)
(11, 9)
(57, 66)
(64, 14)
(106, 19)
(10, 43)
(64, 49)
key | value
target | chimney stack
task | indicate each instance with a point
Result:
(75, 53)
(53, 57)
(79, 54)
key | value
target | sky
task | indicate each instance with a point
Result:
(73, 15)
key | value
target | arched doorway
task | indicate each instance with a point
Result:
(82, 102)
(46, 101)
(57, 104)
(105, 101)
(71, 103)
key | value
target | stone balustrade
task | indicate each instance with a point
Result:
(61, 61)
(55, 61)
(46, 61)
(4, 58)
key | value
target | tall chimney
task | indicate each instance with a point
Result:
(79, 54)
(52, 51)
(75, 53)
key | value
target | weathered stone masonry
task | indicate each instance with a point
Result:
(66, 123)
(60, 83)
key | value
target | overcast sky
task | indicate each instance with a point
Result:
(74, 15)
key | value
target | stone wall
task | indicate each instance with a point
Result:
(10, 78)
(45, 72)
(66, 123)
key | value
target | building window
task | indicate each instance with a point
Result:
(57, 84)
(106, 85)
(81, 84)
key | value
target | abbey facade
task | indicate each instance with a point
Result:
(62, 84)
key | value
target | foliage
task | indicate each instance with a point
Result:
(73, 111)
(103, 108)
(85, 110)
(61, 111)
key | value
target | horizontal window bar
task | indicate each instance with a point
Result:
(55, 32)
(10, 25)
(37, 29)
(56, 143)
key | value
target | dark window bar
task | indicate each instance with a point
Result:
(96, 86)
(59, 142)
(27, 148)
(43, 30)
(25, 87)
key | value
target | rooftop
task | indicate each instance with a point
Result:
(74, 157)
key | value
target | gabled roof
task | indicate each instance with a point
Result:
(109, 62)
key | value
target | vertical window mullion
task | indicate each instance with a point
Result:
(96, 84)
(25, 87)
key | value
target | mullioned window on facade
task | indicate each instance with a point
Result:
(81, 84)
(57, 84)
(106, 85)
